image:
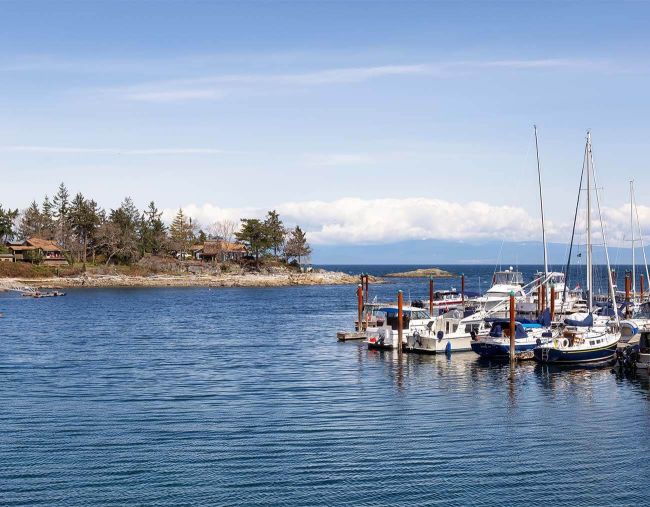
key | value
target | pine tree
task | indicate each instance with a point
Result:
(297, 245)
(47, 214)
(7, 229)
(61, 204)
(84, 219)
(181, 233)
(31, 222)
(154, 232)
(254, 234)
(275, 231)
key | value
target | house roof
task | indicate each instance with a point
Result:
(21, 248)
(217, 246)
(196, 248)
(44, 244)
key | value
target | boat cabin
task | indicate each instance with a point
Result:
(508, 277)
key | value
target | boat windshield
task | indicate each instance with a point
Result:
(508, 278)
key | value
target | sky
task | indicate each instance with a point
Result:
(365, 122)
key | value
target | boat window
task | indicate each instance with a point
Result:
(455, 328)
(472, 327)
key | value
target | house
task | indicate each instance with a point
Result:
(6, 257)
(38, 250)
(221, 251)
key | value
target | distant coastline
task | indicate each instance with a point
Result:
(422, 273)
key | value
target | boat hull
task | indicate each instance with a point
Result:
(495, 350)
(559, 356)
(432, 345)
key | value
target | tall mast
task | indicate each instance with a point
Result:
(589, 260)
(638, 224)
(632, 227)
(541, 206)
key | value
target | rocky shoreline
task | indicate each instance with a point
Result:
(188, 280)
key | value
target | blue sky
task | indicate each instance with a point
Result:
(364, 121)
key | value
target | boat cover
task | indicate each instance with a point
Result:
(588, 321)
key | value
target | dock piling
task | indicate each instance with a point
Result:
(512, 327)
(462, 288)
(641, 279)
(431, 296)
(552, 302)
(400, 320)
(359, 307)
(628, 284)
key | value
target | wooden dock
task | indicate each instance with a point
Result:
(344, 336)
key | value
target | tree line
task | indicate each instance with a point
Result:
(123, 235)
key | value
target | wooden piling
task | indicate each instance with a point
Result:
(552, 302)
(539, 299)
(400, 319)
(512, 326)
(367, 287)
(462, 289)
(641, 279)
(628, 286)
(359, 307)
(431, 296)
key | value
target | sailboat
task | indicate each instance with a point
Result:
(589, 339)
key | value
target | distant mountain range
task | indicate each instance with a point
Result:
(433, 251)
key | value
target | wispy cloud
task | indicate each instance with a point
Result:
(217, 86)
(111, 151)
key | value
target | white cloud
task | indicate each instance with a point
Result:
(112, 151)
(217, 86)
(354, 220)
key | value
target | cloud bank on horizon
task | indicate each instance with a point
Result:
(376, 221)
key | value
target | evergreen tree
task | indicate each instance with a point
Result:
(275, 231)
(181, 233)
(297, 245)
(153, 232)
(254, 234)
(47, 215)
(31, 222)
(61, 205)
(7, 227)
(119, 236)
(84, 219)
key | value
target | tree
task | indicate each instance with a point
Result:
(153, 234)
(31, 222)
(119, 236)
(275, 231)
(181, 233)
(297, 245)
(47, 215)
(254, 234)
(202, 236)
(60, 212)
(84, 218)
(224, 230)
(7, 226)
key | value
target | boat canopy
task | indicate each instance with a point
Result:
(508, 277)
(588, 321)
(501, 324)
(391, 311)
(544, 320)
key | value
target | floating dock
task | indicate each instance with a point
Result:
(344, 336)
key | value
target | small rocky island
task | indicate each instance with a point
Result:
(423, 273)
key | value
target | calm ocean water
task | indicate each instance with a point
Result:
(244, 397)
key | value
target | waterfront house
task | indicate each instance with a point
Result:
(39, 251)
(222, 251)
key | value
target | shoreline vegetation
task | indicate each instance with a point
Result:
(423, 273)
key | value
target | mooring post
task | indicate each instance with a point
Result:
(462, 288)
(627, 295)
(367, 287)
(400, 319)
(359, 307)
(512, 326)
(641, 279)
(552, 302)
(430, 296)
